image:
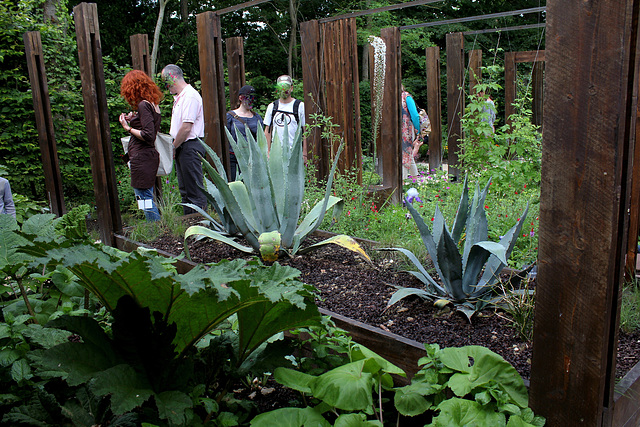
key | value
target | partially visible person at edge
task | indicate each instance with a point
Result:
(143, 95)
(488, 110)
(410, 124)
(285, 110)
(187, 125)
(6, 198)
(242, 116)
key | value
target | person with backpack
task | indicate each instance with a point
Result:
(285, 111)
(242, 116)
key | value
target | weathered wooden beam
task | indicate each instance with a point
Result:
(235, 68)
(434, 107)
(342, 88)
(475, 69)
(529, 56)
(97, 117)
(505, 29)
(455, 98)
(212, 79)
(313, 95)
(44, 122)
(475, 18)
(589, 117)
(379, 9)
(240, 6)
(537, 93)
(390, 130)
(509, 85)
(140, 55)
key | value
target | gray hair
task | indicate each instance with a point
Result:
(174, 70)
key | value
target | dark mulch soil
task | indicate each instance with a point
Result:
(349, 286)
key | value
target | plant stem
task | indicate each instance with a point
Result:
(26, 300)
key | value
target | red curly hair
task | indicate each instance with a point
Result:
(137, 86)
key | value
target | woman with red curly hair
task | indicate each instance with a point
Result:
(143, 124)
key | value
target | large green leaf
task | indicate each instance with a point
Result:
(495, 265)
(347, 387)
(461, 214)
(291, 417)
(477, 226)
(127, 389)
(477, 367)
(296, 380)
(172, 405)
(294, 193)
(356, 420)
(461, 412)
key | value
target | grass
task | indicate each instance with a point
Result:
(393, 226)
(630, 308)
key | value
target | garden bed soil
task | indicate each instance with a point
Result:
(349, 286)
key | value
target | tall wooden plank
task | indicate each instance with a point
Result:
(583, 204)
(212, 79)
(509, 85)
(475, 69)
(434, 106)
(313, 98)
(235, 68)
(390, 129)
(357, 124)
(537, 92)
(44, 122)
(97, 116)
(140, 56)
(455, 98)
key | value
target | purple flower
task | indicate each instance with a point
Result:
(412, 195)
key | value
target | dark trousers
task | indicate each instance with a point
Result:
(189, 172)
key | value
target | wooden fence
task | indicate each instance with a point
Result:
(591, 120)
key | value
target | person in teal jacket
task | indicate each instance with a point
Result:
(410, 129)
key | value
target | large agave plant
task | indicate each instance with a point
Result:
(265, 205)
(467, 278)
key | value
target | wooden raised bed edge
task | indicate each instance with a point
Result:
(405, 353)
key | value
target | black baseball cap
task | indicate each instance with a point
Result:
(246, 90)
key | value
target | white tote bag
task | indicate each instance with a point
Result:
(164, 147)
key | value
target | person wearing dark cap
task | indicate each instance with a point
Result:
(240, 119)
(285, 111)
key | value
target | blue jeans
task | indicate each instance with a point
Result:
(146, 194)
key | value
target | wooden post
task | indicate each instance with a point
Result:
(140, 56)
(455, 98)
(434, 107)
(235, 67)
(509, 85)
(313, 96)
(44, 122)
(97, 117)
(537, 92)
(475, 69)
(390, 130)
(342, 88)
(212, 78)
(589, 116)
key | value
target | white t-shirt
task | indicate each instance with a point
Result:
(277, 123)
(187, 107)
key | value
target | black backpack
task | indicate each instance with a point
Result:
(276, 104)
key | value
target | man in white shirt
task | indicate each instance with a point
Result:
(187, 125)
(286, 110)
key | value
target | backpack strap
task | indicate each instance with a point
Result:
(296, 107)
(237, 117)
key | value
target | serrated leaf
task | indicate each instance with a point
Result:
(127, 389)
(172, 406)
